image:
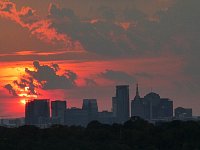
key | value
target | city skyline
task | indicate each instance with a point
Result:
(151, 108)
(68, 50)
(44, 113)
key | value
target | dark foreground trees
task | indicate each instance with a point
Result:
(135, 134)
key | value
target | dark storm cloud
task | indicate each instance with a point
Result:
(117, 76)
(107, 13)
(47, 77)
(43, 77)
(11, 90)
(102, 37)
(90, 83)
(27, 82)
(178, 31)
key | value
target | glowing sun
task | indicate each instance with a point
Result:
(23, 101)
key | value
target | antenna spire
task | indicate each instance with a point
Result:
(137, 90)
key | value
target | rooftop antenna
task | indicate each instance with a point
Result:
(137, 90)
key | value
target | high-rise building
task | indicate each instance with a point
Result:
(137, 106)
(37, 112)
(157, 107)
(122, 99)
(90, 105)
(151, 107)
(114, 106)
(183, 113)
(166, 108)
(58, 109)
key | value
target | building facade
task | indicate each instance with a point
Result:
(37, 112)
(183, 113)
(76, 116)
(58, 109)
(91, 107)
(122, 102)
(151, 107)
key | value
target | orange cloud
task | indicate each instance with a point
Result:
(37, 26)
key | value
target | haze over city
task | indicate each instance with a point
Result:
(68, 50)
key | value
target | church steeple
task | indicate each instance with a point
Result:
(137, 96)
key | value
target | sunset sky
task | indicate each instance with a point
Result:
(75, 49)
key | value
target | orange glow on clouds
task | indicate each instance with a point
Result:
(91, 69)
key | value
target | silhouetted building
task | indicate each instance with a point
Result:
(157, 108)
(12, 122)
(91, 107)
(151, 107)
(106, 117)
(58, 109)
(122, 102)
(183, 113)
(37, 112)
(137, 105)
(76, 116)
(114, 106)
(166, 108)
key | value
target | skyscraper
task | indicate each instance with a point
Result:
(37, 112)
(58, 109)
(90, 105)
(114, 106)
(137, 106)
(157, 107)
(122, 101)
(151, 107)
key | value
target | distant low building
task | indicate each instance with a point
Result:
(106, 117)
(76, 116)
(183, 113)
(12, 122)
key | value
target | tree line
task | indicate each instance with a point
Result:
(135, 134)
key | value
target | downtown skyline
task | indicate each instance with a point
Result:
(69, 51)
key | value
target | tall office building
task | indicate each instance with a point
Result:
(122, 99)
(151, 107)
(90, 105)
(114, 106)
(37, 112)
(157, 107)
(58, 109)
(137, 106)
